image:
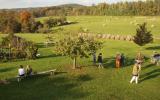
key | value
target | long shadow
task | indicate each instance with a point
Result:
(153, 48)
(150, 75)
(58, 87)
(148, 66)
(85, 77)
(48, 56)
(7, 69)
(70, 23)
(110, 62)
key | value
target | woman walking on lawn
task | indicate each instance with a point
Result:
(135, 73)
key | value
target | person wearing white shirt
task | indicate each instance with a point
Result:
(21, 71)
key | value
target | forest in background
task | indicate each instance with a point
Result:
(140, 8)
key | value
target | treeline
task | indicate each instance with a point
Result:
(24, 22)
(147, 8)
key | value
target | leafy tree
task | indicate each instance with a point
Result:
(19, 47)
(76, 47)
(143, 36)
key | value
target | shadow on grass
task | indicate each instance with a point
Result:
(110, 62)
(85, 77)
(48, 56)
(152, 74)
(45, 87)
(148, 66)
(6, 69)
(153, 48)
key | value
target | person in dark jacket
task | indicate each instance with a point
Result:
(100, 61)
(122, 59)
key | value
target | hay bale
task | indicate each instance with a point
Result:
(104, 36)
(113, 37)
(108, 36)
(129, 38)
(152, 26)
(117, 37)
(104, 25)
(121, 38)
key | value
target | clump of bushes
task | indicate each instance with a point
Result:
(14, 47)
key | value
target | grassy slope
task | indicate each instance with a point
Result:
(112, 25)
(89, 83)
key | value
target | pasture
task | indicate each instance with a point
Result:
(122, 25)
(89, 82)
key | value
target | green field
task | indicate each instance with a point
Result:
(88, 83)
(111, 25)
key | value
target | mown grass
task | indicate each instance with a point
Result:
(124, 25)
(89, 82)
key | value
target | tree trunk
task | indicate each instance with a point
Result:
(74, 63)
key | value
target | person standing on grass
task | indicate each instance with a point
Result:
(100, 61)
(135, 73)
(122, 59)
(139, 59)
(118, 60)
(21, 71)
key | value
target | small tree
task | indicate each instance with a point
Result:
(143, 36)
(75, 47)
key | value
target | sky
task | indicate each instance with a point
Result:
(43, 3)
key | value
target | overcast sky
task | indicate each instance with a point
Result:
(42, 3)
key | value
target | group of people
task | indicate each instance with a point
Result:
(120, 61)
(25, 72)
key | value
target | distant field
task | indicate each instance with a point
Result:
(111, 24)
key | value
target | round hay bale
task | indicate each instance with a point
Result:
(103, 36)
(129, 38)
(113, 37)
(108, 36)
(124, 38)
(117, 37)
(121, 38)
(152, 26)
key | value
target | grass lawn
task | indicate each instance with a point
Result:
(88, 83)
(123, 25)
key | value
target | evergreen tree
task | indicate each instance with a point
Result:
(143, 36)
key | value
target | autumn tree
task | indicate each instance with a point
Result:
(26, 21)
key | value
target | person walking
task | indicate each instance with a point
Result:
(135, 73)
(100, 61)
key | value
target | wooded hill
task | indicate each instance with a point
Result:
(140, 8)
